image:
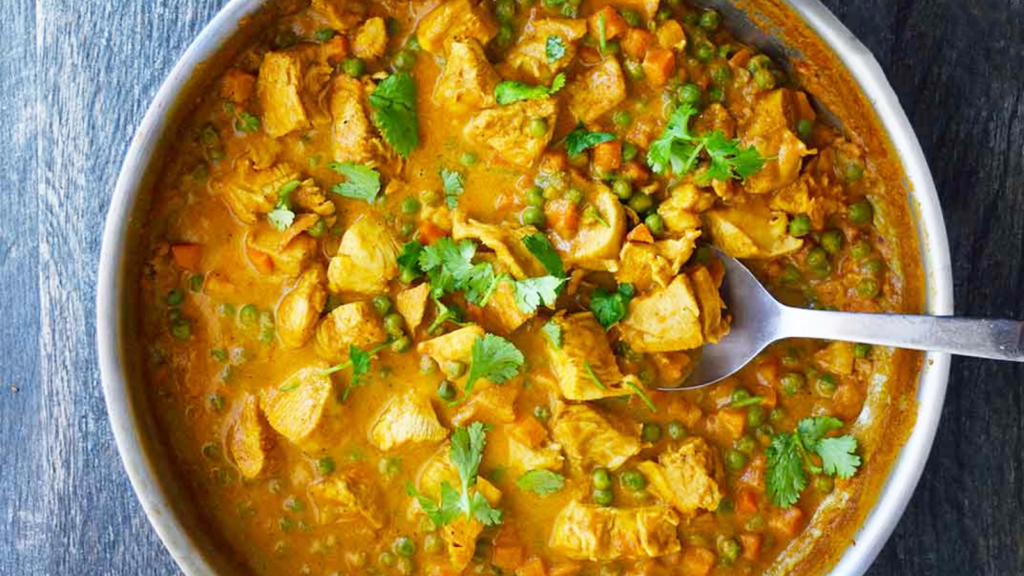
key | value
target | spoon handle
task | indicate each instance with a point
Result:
(978, 337)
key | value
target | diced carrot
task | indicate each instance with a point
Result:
(659, 64)
(301, 223)
(565, 569)
(506, 557)
(563, 217)
(731, 423)
(671, 35)
(640, 234)
(751, 544)
(636, 41)
(614, 24)
(429, 232)
(553, 161)
(608, 156)
(532, 567)
(753, 475)
(787, 520)
(770, 396)
(635, 173)
(336, 49)
(741, 58)
(216, 284)
(698, 561)
(746, 502)
(529, 431)
(847, 401)
(237, 86)
(187, 256)
(261, 260)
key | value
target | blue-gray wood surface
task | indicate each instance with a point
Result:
(75, 79)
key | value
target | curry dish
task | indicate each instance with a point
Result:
(417, 271)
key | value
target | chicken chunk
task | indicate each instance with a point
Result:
(371, 40)
(278, 252)
(354, 324)
(837, 358)
(641, 265)
(596, 533)
(367, 259)
(597, 91)
(585, 365)
(490, 403)
(304, 409)
(411, 303)
(352, 135)
(589, 440)
(454, 21)
(770, 130)
(816, 195)
(713, 324)
(456, 345)
(309, 197)
(250, 192)
(342, 15)
(597, 244)
(647, 8)
(350, 494)
(685, 476)
(250, 441)
(300, 309)
(547, 456)
(681, 210)
(406, 419)
(750, 230)
(468, 79)
(278, 89)
(506, 241)
(502, 312)
(530, 55)
(503, 133)
(665, 320)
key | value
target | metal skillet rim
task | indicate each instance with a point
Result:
(906, 470)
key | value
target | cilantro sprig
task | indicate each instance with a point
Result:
(581, 139)
(453, 185)
(409, 258)
(361, 182)
(679, 149)
(554, 333)
(542, 482)
(789, 458)
(495, 359)
(554, 48)
(282, 216)
(450, 268)
(358, 360)
(512, 91)
(611, 307)
(466, 453)
(394, 112)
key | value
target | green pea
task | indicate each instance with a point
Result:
(739, 395)
(323, 35)
(758, 62)
(629, 151)
(725, 50)
(405, 566)
(634, 70)
(622, 118)
(401, 345)
(623, 189)
(868, 287)
(195, 283)
(406, 229)
(446, 390)
(404, 546)
(824, 484)
(676, 430)
(709, 20)
(413, 43)
(777, 416)
(574, 195)
(792, 382)
(716, 94)
(354, 67)
(537, 127)
(612, 47)
(690, 94)
(764, 79)
(755, 416)
(756, 522)
(325, 465)
(532, 216)
(790, 274)
(735, 460)
(721, 74)
(535, 196)
(382, 303)
(650, 432)
(655, 223)
(817, 258)
(285, 39)
(410, 205)
(827, 385)
(427, 365)
(804, 129)
(433, 544)
(227, 310)
(219, 354)
(454, 369)
(394, 324)
(641, 203)
(861, 249)
(318, 229)
(853, 172)
(542, 413)
(632, 17)
(873, 267)
(286, 524)
(294, 504)
(505, 10)
(832, 241)
(746, 444)
(728, 550)
(430, 197)
(181, 329)
(691, 19)
(633, 480)
(800, 226)
(705, 51)
(387, 559)
(337, 230)
(216, 402)
(601, 479)
(468, 159)
(860, 212)
(248, 314)
(604, 497)
(174, 297)
(861, 350)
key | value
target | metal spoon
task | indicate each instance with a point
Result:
(758, 319)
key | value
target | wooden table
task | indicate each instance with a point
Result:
(75, 79)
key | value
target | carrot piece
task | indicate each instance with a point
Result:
(730, 423)
(640, 234)
(336, 49)
(301, 223)
(187, 256)
(237, 86)
(804, 110)
(698, 561)
(532, 567)
(753, 475)
(608, 155)
(746, 502)
(528, 430)
(635, 173)
(614, 24)
(741, 58)
(787, 521)
(563, 217)
(751, 544)
(507, 557)
(261, 260)
(429, 232)
(659, 64)
(553, 161)
(218, 285)
(635, 43)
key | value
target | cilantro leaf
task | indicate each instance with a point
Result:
(281, 217)
(539, 245)
(610, 307)
(838, 456)
(483, 511)
(445, 313)
(554, 48)
(812, 430)
(494, 358)
(511, 91)
(785, 478)
(788, 458)
(362, 182)
(554, 333)
(532, 292)
(360, 363)
(541, 482)
(246, 122)
(450, 268)
(394, 112)
(409, 258)
(581, 139)
(435, 511)
(681, 150)
(467, 450)
(451, 180)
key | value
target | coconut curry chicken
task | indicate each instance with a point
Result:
(417, 271)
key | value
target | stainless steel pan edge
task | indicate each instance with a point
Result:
(113, 288)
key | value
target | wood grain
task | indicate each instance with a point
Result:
(75, 80)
